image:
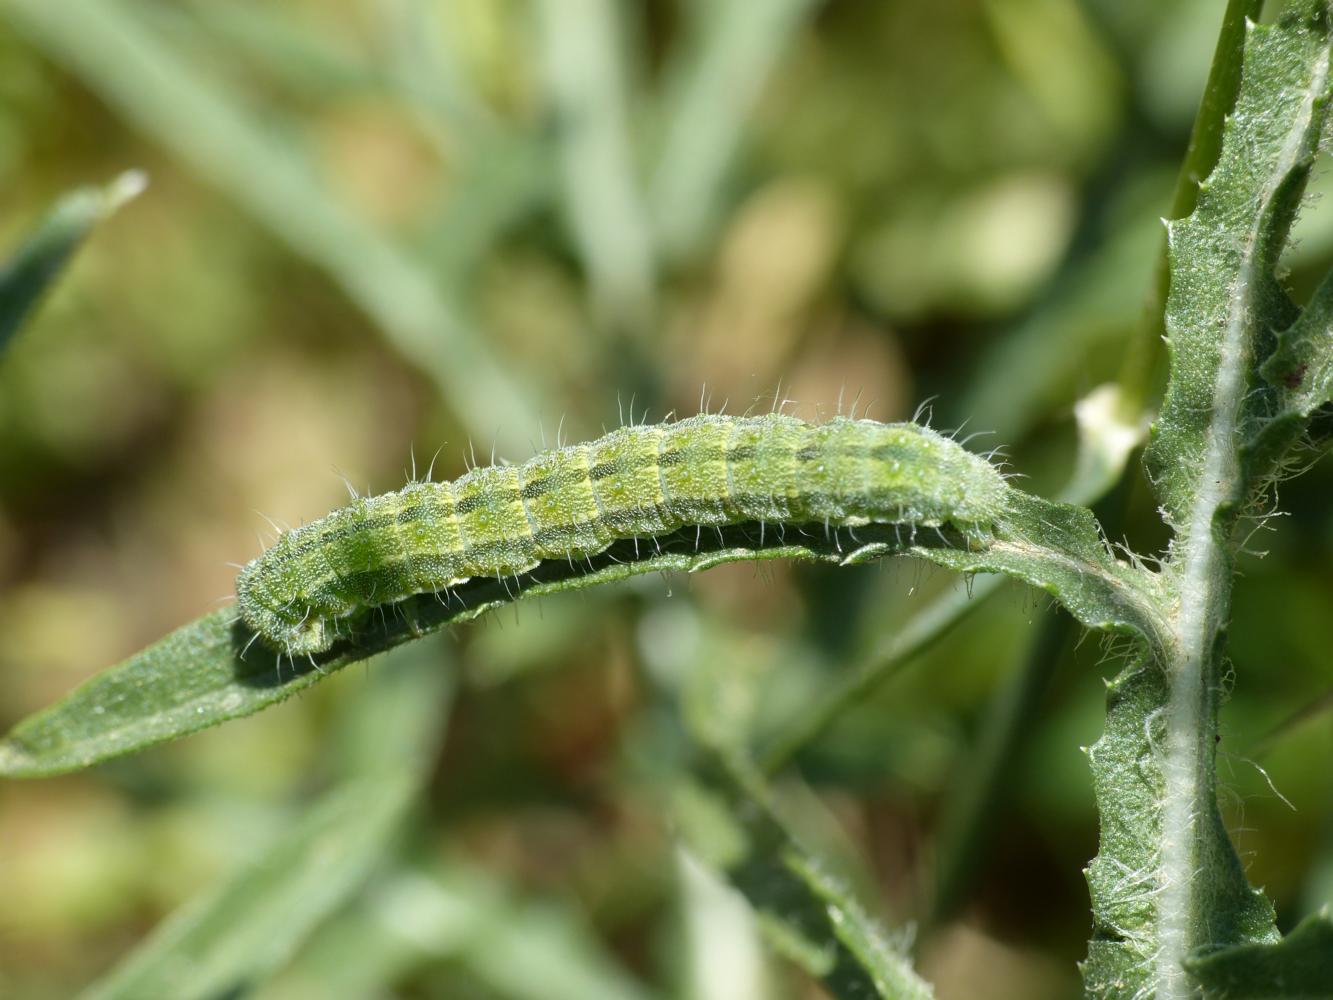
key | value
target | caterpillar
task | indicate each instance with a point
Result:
(574, 502)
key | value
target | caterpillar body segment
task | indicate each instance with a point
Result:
(574, 502)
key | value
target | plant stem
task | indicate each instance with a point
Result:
(1204, 567)
(1205, 597)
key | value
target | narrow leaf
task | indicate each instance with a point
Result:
(1225, 297)
(584, 58)
(1219, 97)
(1301, 374)
(804, 911)
(1302, 365)
(519, 947)
(25, 278)
(1059, 548)
(251, 923)
(236, 935)
(729, 54)
(212, 669)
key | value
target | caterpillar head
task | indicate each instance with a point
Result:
(269, 597)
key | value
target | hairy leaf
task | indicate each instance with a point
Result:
(211, 670)
(1302, 365)
(1219, 97)
(1167, 880)
(1301, 373)
(1225, 298)
(1299, 967)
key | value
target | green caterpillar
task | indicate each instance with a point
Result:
(574, 502)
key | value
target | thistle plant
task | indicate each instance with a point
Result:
(1174, 916)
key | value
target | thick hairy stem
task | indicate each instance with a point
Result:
(1191, 716)
(1167, 884)
(1205, 601)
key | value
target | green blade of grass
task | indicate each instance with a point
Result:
(804, 911)
(106, 45)
(429, 77)
(733, 49)
(894, 654)
(456, 912)
(588, 83)
(231, 937)
(236, 935)
(270, 40)
(35, 266)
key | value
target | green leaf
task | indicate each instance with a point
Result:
(235, 936)
(1299, 967)
(212, 670)
(1139, 375)
(1301, 367)
(25, 278)
(804, 911)
(1225, 297)
(1301, 373)
(1059, 548)
(1167, 880)
(274, 42)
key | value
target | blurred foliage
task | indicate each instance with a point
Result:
(378, 228)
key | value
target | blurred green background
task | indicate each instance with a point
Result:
(378, 228)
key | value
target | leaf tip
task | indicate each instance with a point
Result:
(123, 189)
